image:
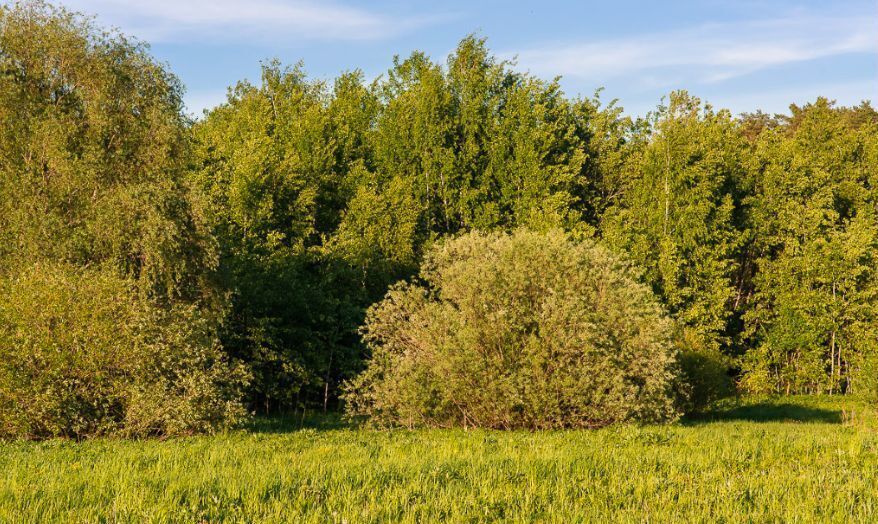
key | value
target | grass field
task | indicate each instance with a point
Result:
(788, 460)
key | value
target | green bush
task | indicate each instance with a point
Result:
(522, 330)
(83, 354)
(704, 369)
(863, 377)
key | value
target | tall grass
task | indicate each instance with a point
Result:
(798, 460)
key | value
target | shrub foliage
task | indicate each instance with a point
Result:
(521, 330)
(82, 354)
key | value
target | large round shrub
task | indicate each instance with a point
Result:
(82, 353)
(522, 330)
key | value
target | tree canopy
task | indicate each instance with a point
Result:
(248, 245)
(108, 318)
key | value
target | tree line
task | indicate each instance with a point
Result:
(157, 269)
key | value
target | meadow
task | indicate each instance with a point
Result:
(794, 459)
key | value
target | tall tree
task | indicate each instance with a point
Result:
(93, 148)
(272, 178)
(678, 214)
(814, 216)
(108, 316)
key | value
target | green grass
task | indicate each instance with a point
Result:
(790, 460)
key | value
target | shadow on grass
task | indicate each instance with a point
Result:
(769, 412)
(296, 422)
(727, 411)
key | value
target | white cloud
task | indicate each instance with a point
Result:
(709, 53)
(263, 20)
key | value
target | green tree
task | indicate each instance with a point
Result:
(678, 215)
(813, 212)
(92, 151)
(484, 147)
(271, 177)
(104, 263)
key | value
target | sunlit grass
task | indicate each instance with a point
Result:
(788, 460)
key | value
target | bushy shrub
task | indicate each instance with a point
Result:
(521, 330)
(705, 371)
(82, 353)
(863, 377)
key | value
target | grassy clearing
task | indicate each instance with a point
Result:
(799, 459)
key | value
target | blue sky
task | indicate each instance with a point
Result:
(741, 55)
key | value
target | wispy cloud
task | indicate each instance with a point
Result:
(708, 53)
(778, 100)
(261, 20)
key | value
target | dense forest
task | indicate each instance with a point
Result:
(162, 275)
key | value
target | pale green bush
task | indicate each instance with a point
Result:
(522, 330)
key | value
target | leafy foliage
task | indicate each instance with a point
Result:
(524, 330)
(81, 354)
(107, 316)
(676, 215)
(813, 320)
(273, 223)
(266, 181)
(92, 154)
(351, 184)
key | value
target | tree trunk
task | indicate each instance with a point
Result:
(667, 186)
(832, 365)
(326, 382)
(832, 349)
